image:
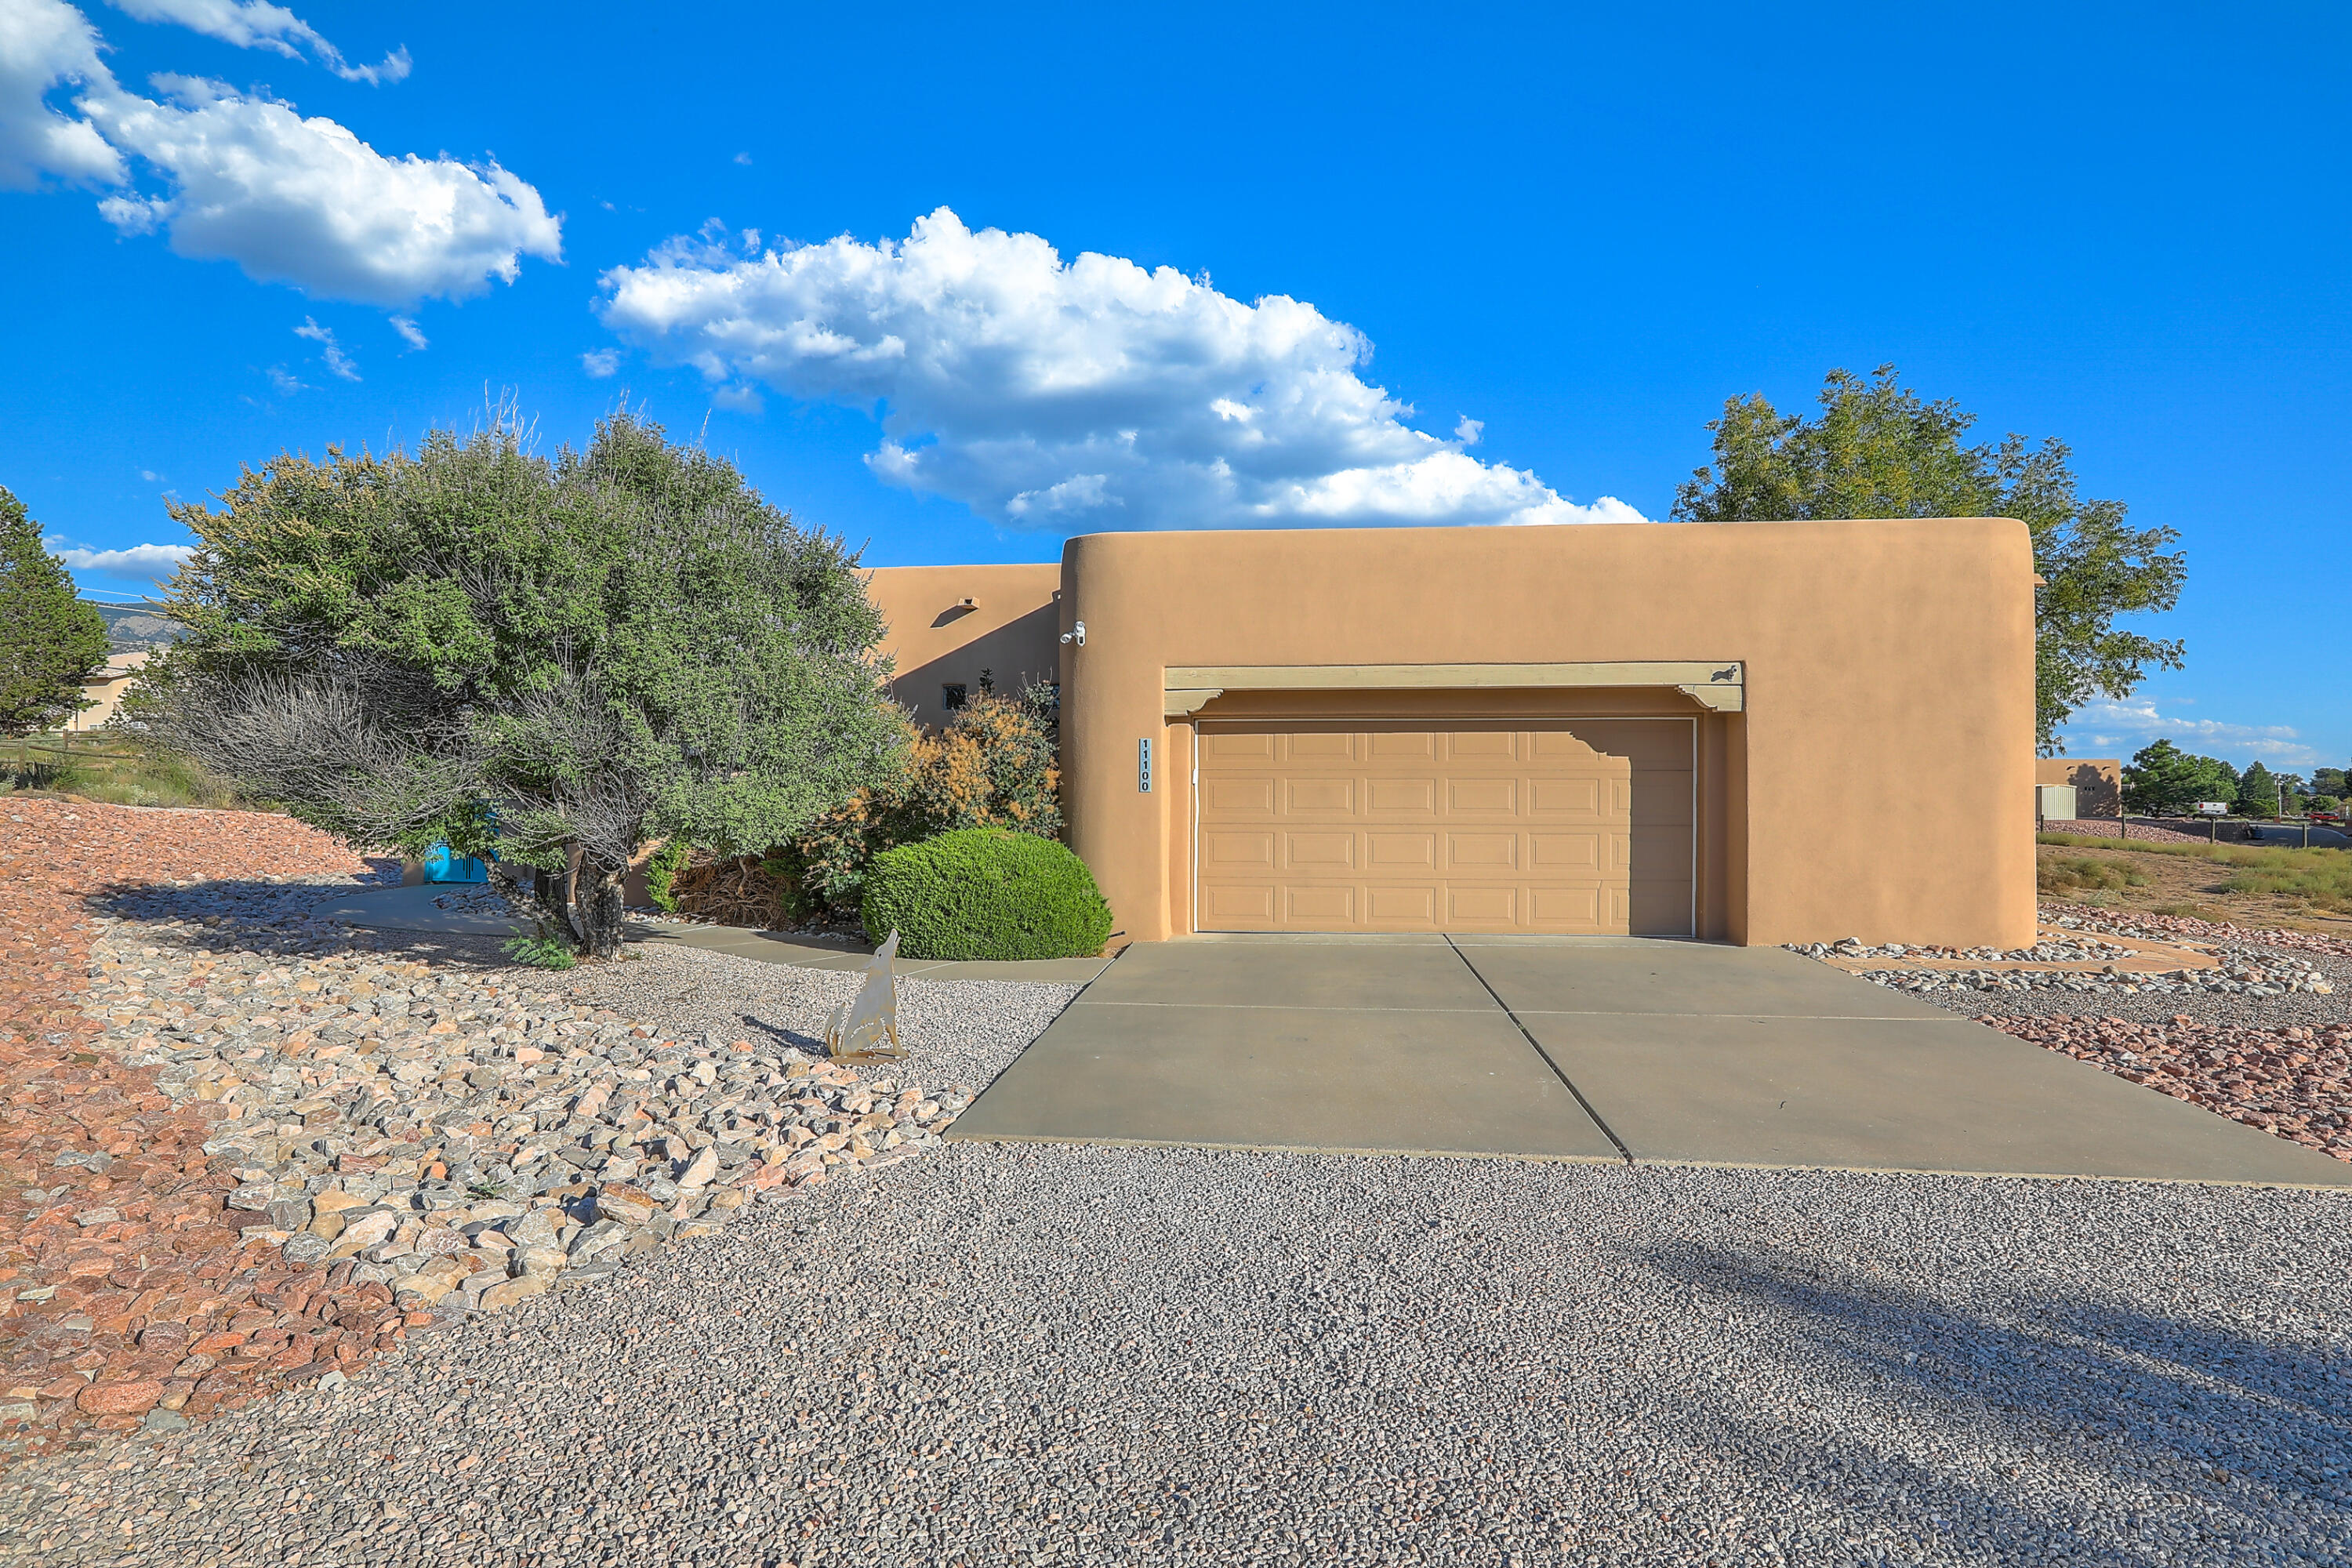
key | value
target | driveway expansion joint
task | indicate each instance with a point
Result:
(1566, 1082)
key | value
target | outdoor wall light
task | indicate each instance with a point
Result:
(1076, 633)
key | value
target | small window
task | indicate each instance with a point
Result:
(951, 695)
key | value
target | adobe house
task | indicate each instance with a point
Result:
(105, 689)
(1746, 733)
(2097, 782)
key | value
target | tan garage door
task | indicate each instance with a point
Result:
(1577, 829)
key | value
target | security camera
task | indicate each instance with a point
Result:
(1076, 633)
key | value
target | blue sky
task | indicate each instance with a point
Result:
(1561, 239)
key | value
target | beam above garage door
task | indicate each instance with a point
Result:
(1718, 684)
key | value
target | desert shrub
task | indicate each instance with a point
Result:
(985, 893)
(661, 872)
(991, 766)
(539, 952)
(2086, 875)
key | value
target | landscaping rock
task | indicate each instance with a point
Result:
(222, 1104)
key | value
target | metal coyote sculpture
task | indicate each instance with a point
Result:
(860, 1026)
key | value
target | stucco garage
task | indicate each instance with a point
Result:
(1647, 729)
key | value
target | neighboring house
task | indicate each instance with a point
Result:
(1653, 729)
(2097, 782)
(106, 689)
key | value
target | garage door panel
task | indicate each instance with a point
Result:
(1660, 852)
(1318, 797)
(1400, 851)
(1583, 798)
(1311, 748)
(1658, 909)
(1243, 853)
(1662, 798)
(1311, 907)
(1482, 797)
(1481, 851)
(1572, 828)
(1318, 852)
(1395, 744)
(1415, 906)
(1645, 746)
(1238, 906)
(1401, 797)
(1482, 746)
(1567, 854)
(1236, 797)
(1566, 907)
(1474, 905)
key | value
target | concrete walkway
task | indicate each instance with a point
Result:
(1594, 1048)
(465, 910)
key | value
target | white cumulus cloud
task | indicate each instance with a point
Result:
(245, 178)
(256, 23)
(1069, 395)
(305, 202)
(601, 362)
(47, 45)
(2126, 725)
(140, 562)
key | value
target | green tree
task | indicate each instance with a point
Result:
(557, 661)
(2330, 781)
(50, 641)
(2162, 779)
(1878, 450)
(2258, 791)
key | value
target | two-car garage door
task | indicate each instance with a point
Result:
(1581, 827)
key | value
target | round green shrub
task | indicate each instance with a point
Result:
(985, 893)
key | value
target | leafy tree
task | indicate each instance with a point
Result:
(1878, 450)
(553, 662)
(2258, 791)
(50, 641)
(2162, 779)
(2330, 781)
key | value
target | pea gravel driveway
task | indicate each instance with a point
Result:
(1051, 1354)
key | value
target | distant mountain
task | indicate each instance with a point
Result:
(131, 628)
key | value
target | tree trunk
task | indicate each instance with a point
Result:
(547, 903)
(598, 901)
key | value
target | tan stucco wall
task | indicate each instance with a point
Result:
(1885, 661)
(2098, 782)
(1011, 632)
(106, 691)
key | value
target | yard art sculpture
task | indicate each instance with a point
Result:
(860, 1026)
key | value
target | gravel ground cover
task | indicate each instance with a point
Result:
(960, 1033)
(262, 1148)
(2082, 950)
(2242, 972)
(2186, 929)
(1041, 1354)
(2293, 1081)
(2265, 1040)
(110, 1214)
(2105, 827)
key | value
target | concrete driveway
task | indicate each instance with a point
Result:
(1584, 1048)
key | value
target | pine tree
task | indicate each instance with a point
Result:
(50, 641)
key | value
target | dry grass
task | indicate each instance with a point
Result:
(111, 772)
(2251, 884)
(2069, 879)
